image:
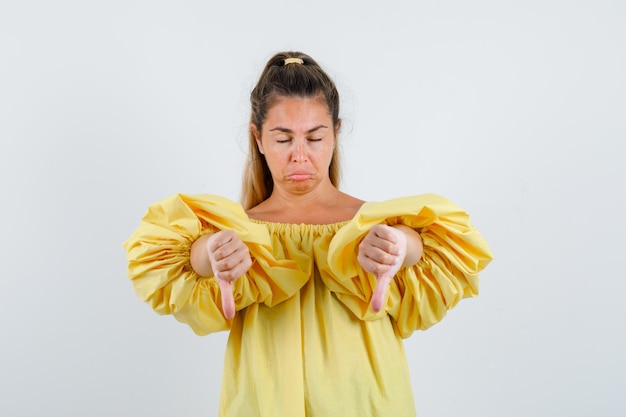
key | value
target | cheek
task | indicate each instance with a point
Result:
(275, 159)
(328, 153)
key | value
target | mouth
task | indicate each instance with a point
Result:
(299, 176)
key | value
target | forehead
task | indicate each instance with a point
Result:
(298, 113)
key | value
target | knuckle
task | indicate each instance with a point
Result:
(218, 253)
(379, 269)
(227, 276)
(389, 258)
(229, 263)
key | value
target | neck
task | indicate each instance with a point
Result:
(323, 194)
(323, 205)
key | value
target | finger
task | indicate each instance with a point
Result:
(228, 302)
(384, 239)
(232, 267)
(399, 246)
(217, 239)
(221, 245)
(377, 254)
(386, 233)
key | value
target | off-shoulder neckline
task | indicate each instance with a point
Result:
(313, 225)
(336, 224)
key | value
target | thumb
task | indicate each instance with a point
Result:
(380, 291)
(228, 302)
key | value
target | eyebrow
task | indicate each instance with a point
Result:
(285, 130)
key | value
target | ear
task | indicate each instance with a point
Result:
(257, 137)
(337, 128)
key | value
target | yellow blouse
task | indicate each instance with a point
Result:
(304, 341)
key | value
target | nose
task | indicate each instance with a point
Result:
(299, 153)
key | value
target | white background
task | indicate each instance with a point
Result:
(513, 110)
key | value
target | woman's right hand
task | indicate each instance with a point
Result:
(224, 256)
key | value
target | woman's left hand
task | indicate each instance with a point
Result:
(382, 253)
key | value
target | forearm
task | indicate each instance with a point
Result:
(199, 257)
(414, 245)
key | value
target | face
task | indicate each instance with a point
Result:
(297, 140)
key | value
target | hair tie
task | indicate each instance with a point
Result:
(288, 61)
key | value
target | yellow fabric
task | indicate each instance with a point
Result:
(304, 341)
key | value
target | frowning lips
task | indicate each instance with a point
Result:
(299, 175)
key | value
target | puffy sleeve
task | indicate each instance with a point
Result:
(420, 295)
(158, 256)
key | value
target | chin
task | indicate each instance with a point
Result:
(302, 186)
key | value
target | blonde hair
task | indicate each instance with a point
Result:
(286, 74)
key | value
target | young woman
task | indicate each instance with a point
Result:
(316, 287)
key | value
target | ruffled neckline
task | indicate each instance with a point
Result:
(278, 227)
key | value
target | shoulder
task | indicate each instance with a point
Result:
(348, 205)
(409, 202)
(191, 207)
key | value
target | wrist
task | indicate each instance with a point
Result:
(199, 257)
(414, 245)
